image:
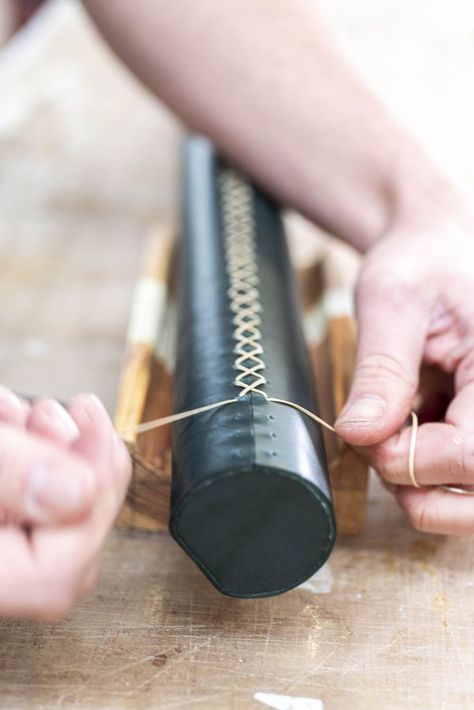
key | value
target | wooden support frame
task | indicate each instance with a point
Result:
(146, 391)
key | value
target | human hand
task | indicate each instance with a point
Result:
(415, 304)
(63, 477)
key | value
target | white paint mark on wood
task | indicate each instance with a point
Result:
(315, 324)
(335, 303)
(338, 302)
(319, 583)
(148, 307)
(288, 702)
(165, 346)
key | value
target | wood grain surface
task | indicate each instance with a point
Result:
(87, 163)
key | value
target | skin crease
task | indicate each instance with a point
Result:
(267, 82)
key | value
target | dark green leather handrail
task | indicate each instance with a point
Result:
(251, 502)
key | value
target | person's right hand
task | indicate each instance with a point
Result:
(415, 305)
(63, 478)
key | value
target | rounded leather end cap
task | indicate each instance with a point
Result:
(255, 532)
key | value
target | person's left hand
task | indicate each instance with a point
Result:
(64, 473)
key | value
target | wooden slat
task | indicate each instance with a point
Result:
(349, 473)
(142, 338)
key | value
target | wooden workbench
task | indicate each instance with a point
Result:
(87, 163)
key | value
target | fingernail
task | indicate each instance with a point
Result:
(94, 405)
(8, 399)
(363, 410)
(60, 419)
(59, 492)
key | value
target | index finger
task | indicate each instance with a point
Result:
(444, 451)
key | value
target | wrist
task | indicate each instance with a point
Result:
(412, 193)
(423, 195)
(361, 185)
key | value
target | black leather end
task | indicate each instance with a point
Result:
(255, 532)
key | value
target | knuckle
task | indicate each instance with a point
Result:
(13, 472)
(465, 366)
(379, 367)
(393, 285)
(398, 290)
(381, 456)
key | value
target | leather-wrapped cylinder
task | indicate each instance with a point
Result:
(251, 502)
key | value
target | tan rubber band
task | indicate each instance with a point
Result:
(458, 490)
(412, 450)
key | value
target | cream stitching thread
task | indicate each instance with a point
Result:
(243, 292)
(244, 297)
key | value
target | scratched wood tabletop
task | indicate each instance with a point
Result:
(87, 163)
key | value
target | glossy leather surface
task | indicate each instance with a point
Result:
(251, 502)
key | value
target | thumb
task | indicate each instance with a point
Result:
(40, 482)
(393, 323)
